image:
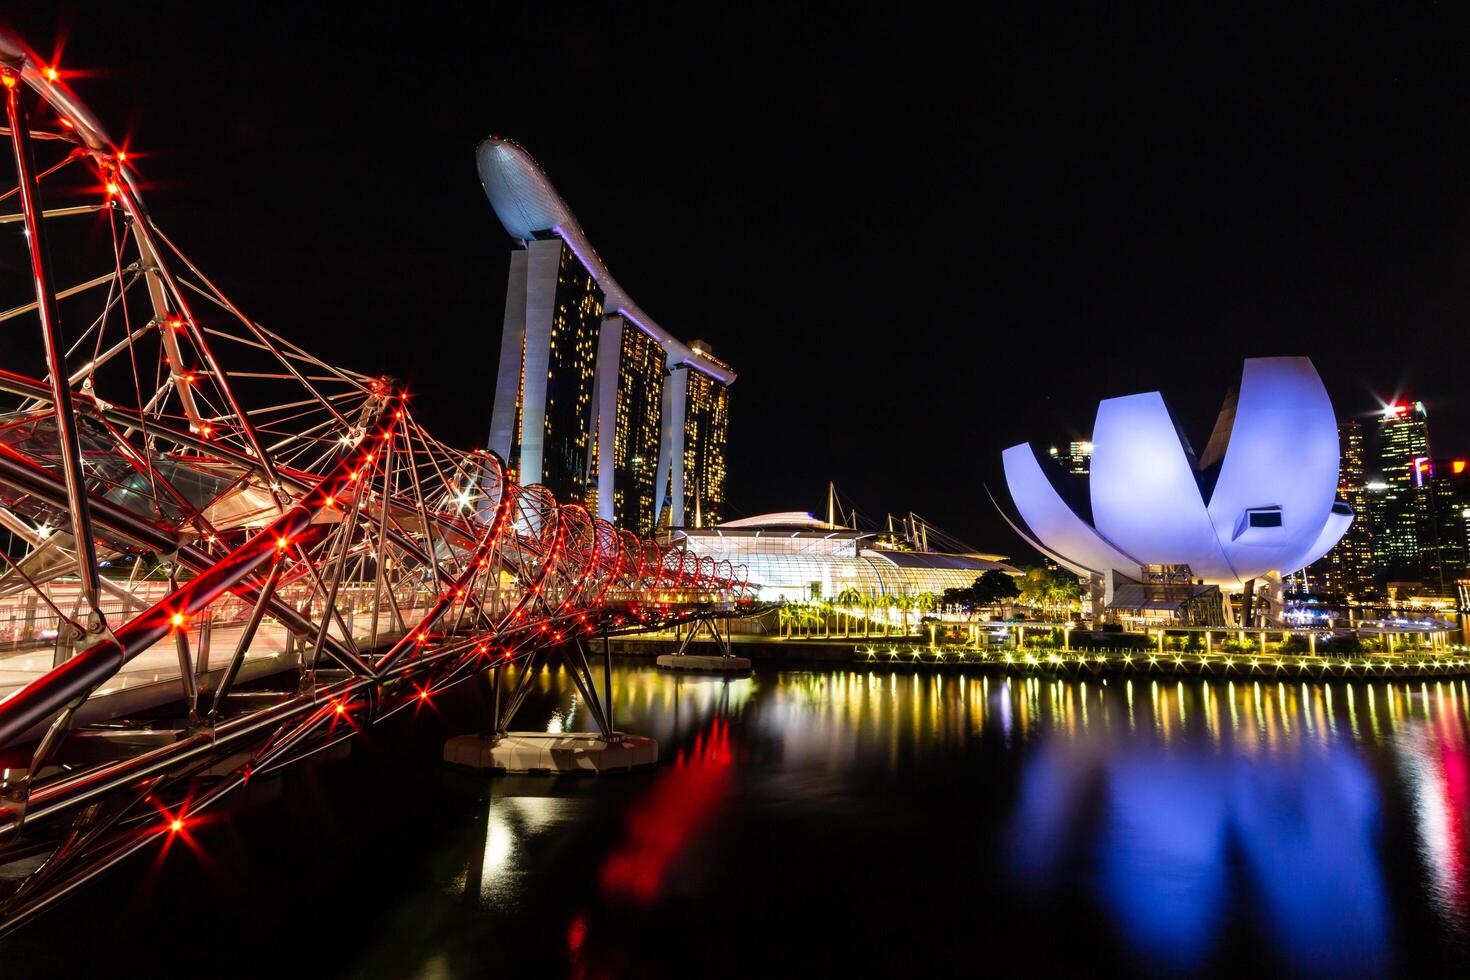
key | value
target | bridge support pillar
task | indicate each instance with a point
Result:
(551, 752)
(603, 751)
(724, 662)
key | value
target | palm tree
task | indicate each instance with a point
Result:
(813, 618)
(1033, 586)
(1066, 591)
(787, 617)
(868, 602)
(925, 602)
(905, 602)
(848, 598)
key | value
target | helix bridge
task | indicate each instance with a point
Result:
(221, 553)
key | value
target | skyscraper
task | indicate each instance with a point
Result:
(593, 398)
(627, 425)
(541, 419)
(1347, 569)
(1448, 543)
(1076, 458)
(1401, 500)
(691, 481)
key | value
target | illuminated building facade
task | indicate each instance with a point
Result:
(594, 398)
(1076, 458)
(1403, 498)
(1272, 507)
(795, 557)
(1347, 570)
(691, 482)
(1448, 543)
(547, 362)
(627, 426)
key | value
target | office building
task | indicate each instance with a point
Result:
(1400, 498)
(1347, 570)
(1075, 457)
(1447, 543)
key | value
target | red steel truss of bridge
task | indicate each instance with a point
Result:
(220, 553)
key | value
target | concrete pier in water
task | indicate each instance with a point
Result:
(552, 752)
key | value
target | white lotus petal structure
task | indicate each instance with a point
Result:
(1271, 510)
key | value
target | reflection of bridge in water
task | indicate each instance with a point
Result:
(222, 553)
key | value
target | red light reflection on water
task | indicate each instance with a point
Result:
(1455, 790)
(682, 801)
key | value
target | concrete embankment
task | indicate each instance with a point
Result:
(1453, 661)
(757, 649)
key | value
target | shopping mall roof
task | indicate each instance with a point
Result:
(931, 559)
(785, 525)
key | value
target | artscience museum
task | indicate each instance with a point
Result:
(1159, 532)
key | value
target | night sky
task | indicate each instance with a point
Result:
(918, 239)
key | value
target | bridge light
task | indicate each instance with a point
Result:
(52, 74)
(176, 825)
(177, 619)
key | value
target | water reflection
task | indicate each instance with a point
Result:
(1260, 789)
(678, 807)
(492, 876)
(1182, 814)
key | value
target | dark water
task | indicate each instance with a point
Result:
(838, 822)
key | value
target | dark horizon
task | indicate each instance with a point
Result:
(917, 243)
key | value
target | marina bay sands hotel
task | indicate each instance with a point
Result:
(594, 399)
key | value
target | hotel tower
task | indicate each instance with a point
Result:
(593, 398)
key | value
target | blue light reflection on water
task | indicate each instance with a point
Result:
(898, 822)
(1254, 795)
(1160, 825)
(1161, 846)
(1190, 812)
